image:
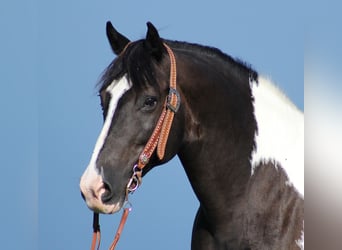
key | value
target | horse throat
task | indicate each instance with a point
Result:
(219, 139)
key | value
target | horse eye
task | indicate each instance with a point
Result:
(150, 103)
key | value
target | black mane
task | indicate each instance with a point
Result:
(217, 54)
(139, 65)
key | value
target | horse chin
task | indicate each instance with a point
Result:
(102, 208)
(98, 206)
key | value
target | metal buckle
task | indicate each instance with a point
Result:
(172, 91)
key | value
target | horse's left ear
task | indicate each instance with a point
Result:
(153, 42)
(117, 41)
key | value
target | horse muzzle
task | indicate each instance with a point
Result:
(98, 194)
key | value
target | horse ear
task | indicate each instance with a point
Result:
(117, 41)
(153, 41)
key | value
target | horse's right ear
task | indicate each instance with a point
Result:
(116, 40)
(153, 42)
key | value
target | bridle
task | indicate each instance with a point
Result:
(157, 141)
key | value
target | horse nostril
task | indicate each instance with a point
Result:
(108, 193)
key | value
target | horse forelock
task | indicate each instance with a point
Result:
(136, 63)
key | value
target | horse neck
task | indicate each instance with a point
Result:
(219, 136)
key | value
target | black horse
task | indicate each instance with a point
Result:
(238, 137)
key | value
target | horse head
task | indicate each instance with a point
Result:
(133, 90)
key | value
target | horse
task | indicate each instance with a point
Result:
(238, 137)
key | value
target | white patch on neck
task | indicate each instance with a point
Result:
(116, 89)
(280, 136)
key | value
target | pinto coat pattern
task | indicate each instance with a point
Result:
(239, 139)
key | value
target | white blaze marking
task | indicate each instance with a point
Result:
(280, 132)
(116, 89)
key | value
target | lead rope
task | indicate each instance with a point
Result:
(157, 140)
(120, 228)
(96, 233)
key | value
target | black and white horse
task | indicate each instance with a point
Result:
(239, 139)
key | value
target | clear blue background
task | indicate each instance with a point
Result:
(51, 56)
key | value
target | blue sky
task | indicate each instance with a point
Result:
(52, 54)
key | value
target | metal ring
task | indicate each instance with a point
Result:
(134, 180)
(136, 169)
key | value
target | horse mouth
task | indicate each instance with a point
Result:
(94, 203)
(104, 208)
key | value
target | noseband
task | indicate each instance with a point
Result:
(158, 140)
